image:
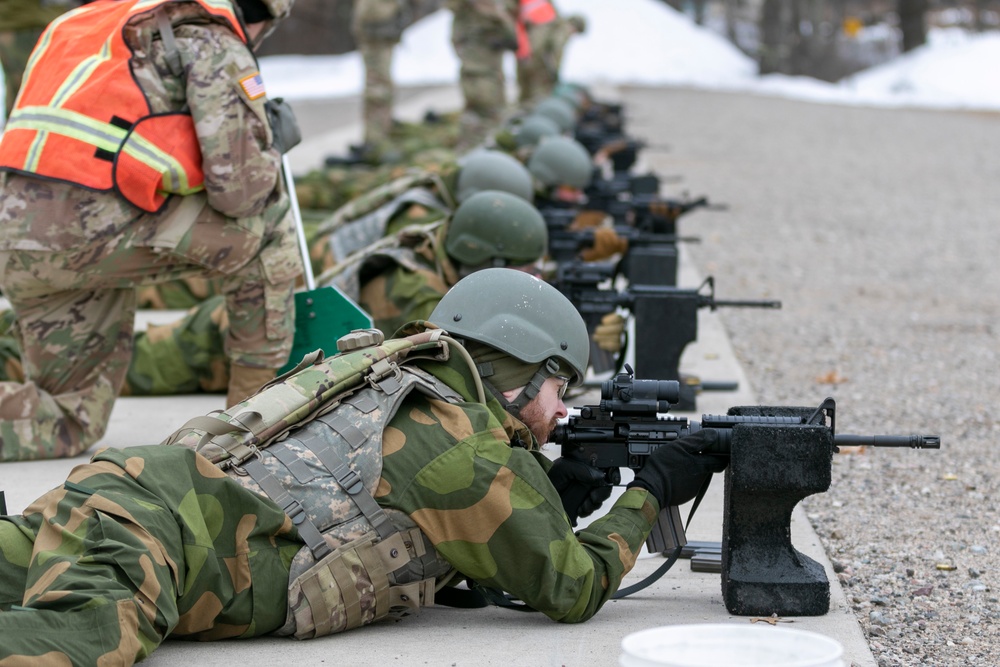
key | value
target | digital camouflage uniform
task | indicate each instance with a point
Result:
(70, 258)
(469, 475)
(140, 544)
(402, 279)
(340, 232)
(21, 22)
(377, 26)
(481, 31)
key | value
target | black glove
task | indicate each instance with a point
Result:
(284, 127)
(582, 488)
(675, 472)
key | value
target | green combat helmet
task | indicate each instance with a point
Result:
(561, 161)
(533, 129)
(521, 316)
(497, 228)
(492, 170)
(559, 110)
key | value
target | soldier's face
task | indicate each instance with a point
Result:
(542, 413)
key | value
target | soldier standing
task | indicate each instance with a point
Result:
(481, 31)
(159, 162)
(548, 33)
(377, 26)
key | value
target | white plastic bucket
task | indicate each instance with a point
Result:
(728, 645)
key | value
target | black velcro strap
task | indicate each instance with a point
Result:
(461, 598)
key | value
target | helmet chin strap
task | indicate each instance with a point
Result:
(514, 407)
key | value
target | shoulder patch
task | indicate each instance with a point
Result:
(253, 86)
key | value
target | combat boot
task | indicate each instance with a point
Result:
(245, 381)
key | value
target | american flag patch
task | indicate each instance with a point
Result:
(253, 86)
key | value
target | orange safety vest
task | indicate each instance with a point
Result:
(534, 12)
(81, 118)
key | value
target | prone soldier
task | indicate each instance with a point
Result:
(492, 364)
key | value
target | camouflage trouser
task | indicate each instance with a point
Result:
(378, 95)
(538, 74)
(75, 313)
(184, 293)
(183, 357)
(481, 79)
(138, 545)
(15, 47)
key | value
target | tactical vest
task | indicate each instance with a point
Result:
(81, 118)
(374, 258)
(311, 440)
(370, 213)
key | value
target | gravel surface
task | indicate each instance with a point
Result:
(878, 230)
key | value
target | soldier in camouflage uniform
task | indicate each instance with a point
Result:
(377, 26)
(21, 23)
(183, 357)
(403, 277)
(481, 31)
(418, 196)
(102, 569)
(70, 257)
(538, 73)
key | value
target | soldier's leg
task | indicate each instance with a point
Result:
(75, 349)
(257, 281)
(140, 544)
(378, 95)
(10, 350)
(15, 553)
(183, 357)
(482, 82)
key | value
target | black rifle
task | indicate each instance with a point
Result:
(630, 423)
(565, 246)
(649, 212)
(666, 318)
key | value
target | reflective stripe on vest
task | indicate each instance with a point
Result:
(81, 117)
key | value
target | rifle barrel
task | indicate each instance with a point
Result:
(716, 303)
(911, 441)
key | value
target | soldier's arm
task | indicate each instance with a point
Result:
(242, 171)
(491, 511)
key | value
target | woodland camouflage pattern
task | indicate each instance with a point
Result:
(70, 258)
(468, 474)
(181, 357)
(138, 545)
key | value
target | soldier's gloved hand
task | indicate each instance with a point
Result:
(607, 243)
(587, 219)
(675, 472)
(582, 488)
(608, 334)
(284, 126)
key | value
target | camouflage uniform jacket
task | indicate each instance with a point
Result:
(401, 278)
(242, 171)
(475, 482)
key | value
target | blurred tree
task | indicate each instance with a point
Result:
(912, 23)
(323, 27)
